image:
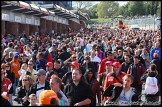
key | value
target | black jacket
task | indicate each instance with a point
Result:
(115, 92)
(78, 93)
(33, 88)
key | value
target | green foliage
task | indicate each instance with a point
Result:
(100, 20)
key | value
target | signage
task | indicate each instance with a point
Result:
(17, 19)
(28, 21)
(37, 22)
(5, 16)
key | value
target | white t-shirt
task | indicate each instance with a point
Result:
(95, 59)
(125, 97)
(39, 91)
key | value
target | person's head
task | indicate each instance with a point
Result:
(39, 55)
(157, 44)
(49, 66)
(24, 66)
(76, 75)
(109, 66)
(116, 67)
(27, 80)
(93, 53)
(74, 65)
(48, 98)
(109, 55)
(137, 52)
(41, 74)
(30, 64)
(55, 84)
(144, 51)
(87, 59)
(127, 58)
(120, 52)
(74, 57)
(153, 67)
(89, 74)
(136, 59)
(7, 66)
(125, 52)
(127, 80)
(57, 64)
(32, 99)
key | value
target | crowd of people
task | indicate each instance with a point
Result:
(88, 67)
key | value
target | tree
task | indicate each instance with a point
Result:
(81, 5)
(136, 8)
(107, 8)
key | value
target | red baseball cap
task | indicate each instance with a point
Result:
(109, 63)
(116, 64)
(50, 64)
(75, 64)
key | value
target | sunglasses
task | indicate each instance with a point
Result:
(25, 79)
(7, 66)
(29, 64)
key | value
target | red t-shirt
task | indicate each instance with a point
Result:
(5, 83)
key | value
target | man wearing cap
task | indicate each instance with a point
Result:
(49, 69)
(41, 84)
(103, 75)
(68, 76)
(114, 77)
(48, 98)
(103, 62)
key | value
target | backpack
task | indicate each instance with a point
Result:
(151, 86)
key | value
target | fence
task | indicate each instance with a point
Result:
(146, 23)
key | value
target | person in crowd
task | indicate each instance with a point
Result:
(33, 100)
(92, 81)
(145, 55)
(23, 58)
(58, 69)
(120, 57)
(156, 49)
(114, 77)
(55, 85)
(48, 98)
(10, 75)
(31, 70)
(40, 85)
(22, 91)
(152, 72)
(4, 99)
(9, 48)
(6, 85)
(15, 67)
(157, 62)
(40, 62)
(22, 72)
(103, 62)
(100, 53)
(49, 69)
(87, 64)
(68, 76)
(122, 94)
(64, 55)
(126, 64)
(77, 91)
(102, 76)
(136, 69)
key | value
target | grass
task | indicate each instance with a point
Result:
(101, 20)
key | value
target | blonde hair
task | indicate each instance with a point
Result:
(23, 65)
(29, 79)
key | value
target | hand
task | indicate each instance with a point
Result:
(77, 104)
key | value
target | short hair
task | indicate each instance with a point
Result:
(129, 76)
(32, 95)
(57, 80)
(80, 72)
(153, 67)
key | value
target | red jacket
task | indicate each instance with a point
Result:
(111, 79)
(102, 67)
